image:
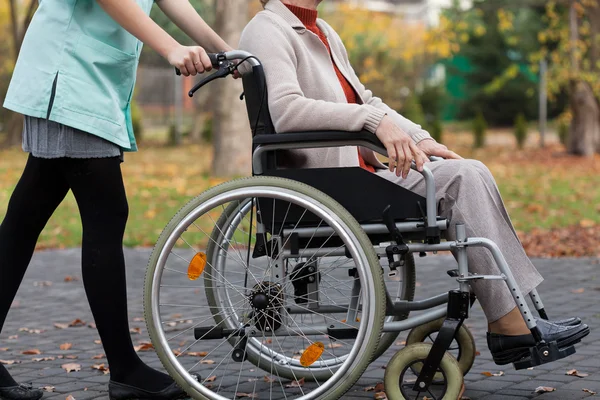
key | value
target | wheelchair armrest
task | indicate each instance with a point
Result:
(322, 139)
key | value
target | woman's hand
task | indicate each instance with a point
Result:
(433, 148)
(400, 147)
(190, 60)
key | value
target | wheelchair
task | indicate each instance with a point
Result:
(289, 283)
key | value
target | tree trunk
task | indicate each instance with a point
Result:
(232, 139)
(585, 126)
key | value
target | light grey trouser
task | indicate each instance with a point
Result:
(467, 193)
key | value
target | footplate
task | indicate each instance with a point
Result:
(544, 353)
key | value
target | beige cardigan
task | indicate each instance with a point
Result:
(304, 91)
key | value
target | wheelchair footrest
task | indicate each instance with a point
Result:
(544, 353)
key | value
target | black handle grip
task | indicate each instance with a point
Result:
(215, 60)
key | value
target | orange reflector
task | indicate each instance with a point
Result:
(312, 354)
(196, 266)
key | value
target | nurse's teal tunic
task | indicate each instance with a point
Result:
(77, 67)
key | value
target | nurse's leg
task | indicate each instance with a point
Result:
(98, 188)
(39, 191)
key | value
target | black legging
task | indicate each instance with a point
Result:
(98, 188)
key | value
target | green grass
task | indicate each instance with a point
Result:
(539, 190)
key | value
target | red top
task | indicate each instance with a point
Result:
(309, 18)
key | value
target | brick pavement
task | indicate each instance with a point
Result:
(39, 307)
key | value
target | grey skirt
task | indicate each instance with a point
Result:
(47, 139)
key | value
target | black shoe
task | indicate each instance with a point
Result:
(21, 392)
(507, 349)
(573, 321)
(121, 391)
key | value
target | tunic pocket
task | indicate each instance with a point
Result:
(100, 79)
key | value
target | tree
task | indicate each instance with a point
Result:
(17, 33)
(571, 43)
(232, 139)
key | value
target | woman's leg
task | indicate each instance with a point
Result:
(467, 193)
(98, 188)
(39, 191)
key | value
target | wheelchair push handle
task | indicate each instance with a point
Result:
(226, 63)
(214, 60)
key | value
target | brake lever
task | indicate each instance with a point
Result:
(226, 68)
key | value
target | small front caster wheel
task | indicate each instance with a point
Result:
(400, 377)
(462, 347)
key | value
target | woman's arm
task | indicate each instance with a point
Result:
(292, 111)
(183, 14)
(190, 60)
(414, 130)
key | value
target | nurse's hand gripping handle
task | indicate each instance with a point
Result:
(215, 59)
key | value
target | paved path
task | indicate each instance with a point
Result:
(572, 287)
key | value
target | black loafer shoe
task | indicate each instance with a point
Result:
(573, 321)
(121, 391)
(21, 392)
(507, 349)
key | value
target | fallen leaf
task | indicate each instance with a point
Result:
(138, 319)
(77, 322)
(33, 352)
(66, 346)
(334, 345)
(241, 395)
(34, 331)
(177, 352)
(70, 278)
(197, 353)
(136, 330)
(49, 389)
(544, 389)
(13, 337)
(402, 343)
(61, 326)
(9, 362)
(98, 341)
(295, 384)
(380, 396)
(171, 324)
(589, 391)
(3, 348)
(72, 357)
(380, 387)
(369, 388)
(42, 283)
(578, 291)
(43, 359)
(69, 397)
(574, 372)
(176, 316)
(98, 357)
(477, 353)
(101, 367)
(587, 223)
(71, 367)
(92, 325)
(144, 346)
(209, 362)
(210, 378)
(486, 373)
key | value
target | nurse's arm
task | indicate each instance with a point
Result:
(183, 14)
(190, 60)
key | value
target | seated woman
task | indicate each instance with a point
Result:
(312, 86)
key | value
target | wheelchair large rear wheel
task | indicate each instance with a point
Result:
(293, 307)
(401, 286)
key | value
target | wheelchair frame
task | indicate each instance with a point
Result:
(454, 305)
